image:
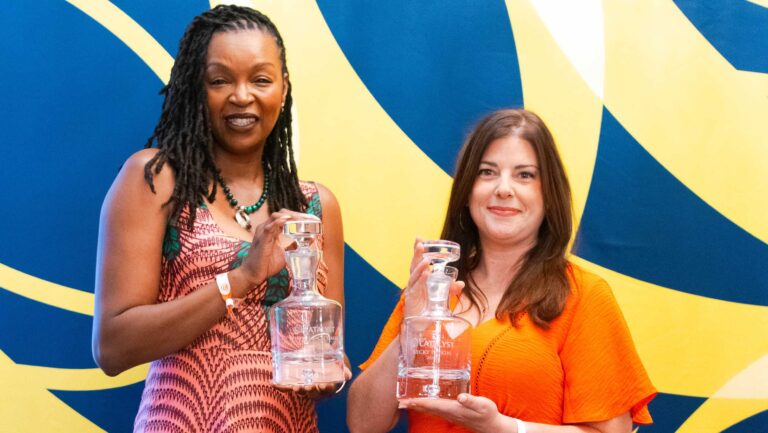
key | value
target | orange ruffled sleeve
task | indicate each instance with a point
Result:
(604, 376)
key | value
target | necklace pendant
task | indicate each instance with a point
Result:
(242, 218)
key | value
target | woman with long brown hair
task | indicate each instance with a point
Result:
(550, 349)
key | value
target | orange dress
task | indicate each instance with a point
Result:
(222, 382)
(584, 368)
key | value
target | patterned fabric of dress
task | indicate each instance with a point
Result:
(222, 382)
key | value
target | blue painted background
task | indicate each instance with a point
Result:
(77, 102)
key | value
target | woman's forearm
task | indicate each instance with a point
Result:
(372, 406)
(143, 333)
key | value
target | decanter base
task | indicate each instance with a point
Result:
(298, 369)
(422, 383)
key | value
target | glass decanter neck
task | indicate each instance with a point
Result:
(302, 265)
(438, 288)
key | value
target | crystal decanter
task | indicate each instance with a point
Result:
(306, 328)
(435, 347)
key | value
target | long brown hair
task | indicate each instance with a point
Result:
(540, 286)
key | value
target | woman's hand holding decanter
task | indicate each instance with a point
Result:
(267, 253)
(319, 391)
(416, 291)
(476, 413)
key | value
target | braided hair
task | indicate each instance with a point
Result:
(183, 133)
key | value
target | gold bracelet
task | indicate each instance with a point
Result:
(225, 289)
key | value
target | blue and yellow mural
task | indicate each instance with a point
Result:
(658, 107)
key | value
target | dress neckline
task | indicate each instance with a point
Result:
(215, 223)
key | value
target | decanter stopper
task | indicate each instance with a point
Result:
(304, 232)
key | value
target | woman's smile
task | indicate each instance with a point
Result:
(241, 121)
(504, 211)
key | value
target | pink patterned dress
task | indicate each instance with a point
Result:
(222, 381)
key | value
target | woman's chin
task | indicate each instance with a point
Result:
(508, 237)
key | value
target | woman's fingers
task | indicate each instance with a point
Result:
(297, 215)
(418, 250)
(274, 224)
(438, 406)
(273, 227)
(477, 404)
(415, 294)
(314, 391)
(419, 273)
(279, 218)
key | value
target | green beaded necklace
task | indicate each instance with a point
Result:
(242, 212)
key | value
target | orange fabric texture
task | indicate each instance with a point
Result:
(584, 368)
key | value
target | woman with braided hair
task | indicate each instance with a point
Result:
(173, 255)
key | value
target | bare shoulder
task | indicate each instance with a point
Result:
(326, 196)
(131, 192)
(134, 171)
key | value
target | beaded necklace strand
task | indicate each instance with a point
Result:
(242, 212)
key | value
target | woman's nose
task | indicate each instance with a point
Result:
(241, 95)
(504, 188)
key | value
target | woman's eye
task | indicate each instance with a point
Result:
(485, 172)
(527, 175)
(262, 80)
(217, 82)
